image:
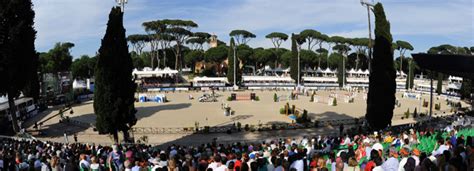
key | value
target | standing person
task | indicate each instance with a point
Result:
(404, 152)
(217, 164)
(55, 164)
(115, 158)
(83, 163)
(392, 162)
(95, 166)
(341, 129)
(75, 137)
(65, 137)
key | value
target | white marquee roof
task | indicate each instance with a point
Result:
(266, 78)
(222, 79)
(157, 71)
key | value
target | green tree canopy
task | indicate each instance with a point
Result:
(138, 41)
(198, 39)
(83, 67)
(18, 57)
(277, 38)
(216, 54)
(58, 59)
(241, 36)
(312, 37)
(192, 57)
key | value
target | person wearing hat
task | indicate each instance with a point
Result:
(404, 152)
(391, 164)
(416, 156)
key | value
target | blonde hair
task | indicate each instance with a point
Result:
(54, 161)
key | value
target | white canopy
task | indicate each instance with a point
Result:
(149, 72)
(328, 71)
(267, 78)
(320, 79)
(221, 79)
(352, 71)
(319, 70)
(78, 84)
(454, 78)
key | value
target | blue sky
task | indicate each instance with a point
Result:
(424, 23)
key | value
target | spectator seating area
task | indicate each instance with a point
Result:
(403, 148)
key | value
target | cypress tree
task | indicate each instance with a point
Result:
(17, 50)
(439, 84)
(381, 96)
(411, 74)
(294, 60)
(230, 61)
(114, 87)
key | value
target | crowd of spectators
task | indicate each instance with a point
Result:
(403, 150)
(362, 152)
(160, 81)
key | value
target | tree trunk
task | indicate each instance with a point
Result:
(152, 59)
(164, 58)
(401, 63)
(357, 60)
(11, 104)
(158, 58)
(115, 136)
(126, 136)
(178, 55)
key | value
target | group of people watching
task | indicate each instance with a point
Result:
(402, 150)
(160, 81)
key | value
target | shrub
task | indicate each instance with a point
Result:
(425, 103)
(274, 127)
(239, 126)
(282, 110)
(247, 127)
(229, 98)
(415, 114)
(316, 124)
(252, 128)
(275, 97)
(438, 106)
(334, 102)
(206, 129)
(257, 98)
(407, 113)
(303, 118)
(351, 100)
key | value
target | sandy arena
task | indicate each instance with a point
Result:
(180, 111)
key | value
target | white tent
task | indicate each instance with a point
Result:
(328, 71)
(319, 70)
(148, 72)
(79, 84)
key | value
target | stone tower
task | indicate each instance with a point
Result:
(213, 41)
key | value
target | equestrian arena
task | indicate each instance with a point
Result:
(185, 111)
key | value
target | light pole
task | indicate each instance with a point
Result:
(368, 4)
(299, 52)
(122, 3)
